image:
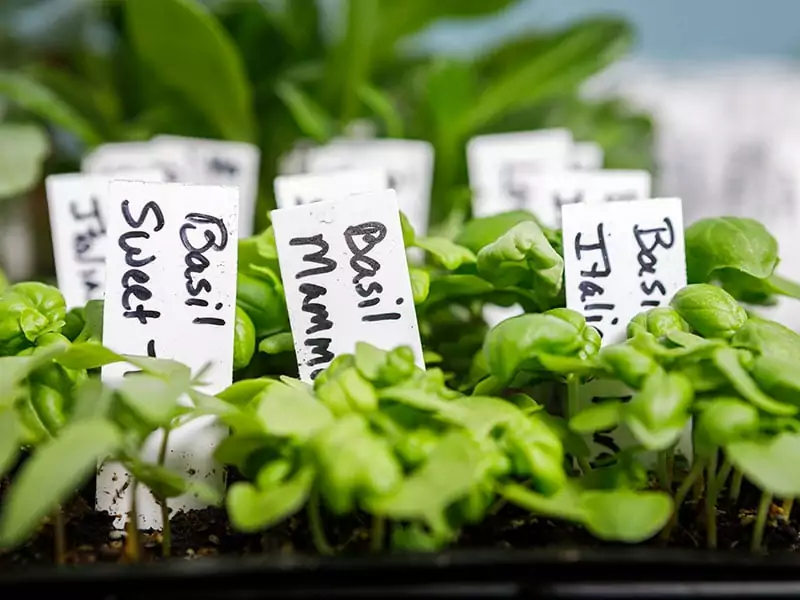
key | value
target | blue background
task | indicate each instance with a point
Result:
(666, 29)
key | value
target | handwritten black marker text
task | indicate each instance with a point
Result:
(134, 279)
(648, 240)
(591, 279)
(320, 320)
(361, 240)
(215, 238)
(85, 242)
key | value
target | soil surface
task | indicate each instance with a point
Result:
(197, 534)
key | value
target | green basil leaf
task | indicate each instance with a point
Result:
(449, 254)
(625, 515)
(284, 411)
(452, 469)
(733, 243)
(597, 417)
(42, 102)
(770, 462)
(183, 43)
(23, 150)
(57, 469)
(252, 509)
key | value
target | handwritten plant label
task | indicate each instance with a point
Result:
(620, 259)
(296, 190)
(219, 162)
(171, 293)
(408, 163)
(110, 159)
(498, 162)
(346, 278)
(78, 207)
(587, 155)
(548, 192)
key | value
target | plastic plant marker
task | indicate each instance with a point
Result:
(117, 157)
(496, 162)
(171, 293)
(547, 192)
(409, 164)
(587, 155)
(346, 278)
(219, 162)
(78, 206)
(621, 259)
(295, 190)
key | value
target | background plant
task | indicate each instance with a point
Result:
(278, 73)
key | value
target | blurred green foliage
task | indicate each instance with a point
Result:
(274, 72)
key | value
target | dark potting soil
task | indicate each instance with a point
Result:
(197, 534)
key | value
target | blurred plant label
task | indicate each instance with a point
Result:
(587, 155)
(296, 190)
(346, 278)
(548, 192)
(498, 164)
(408, 164)
(110, 159)
(171, 293)
(218, 162)
(78, 206)
(620, 259)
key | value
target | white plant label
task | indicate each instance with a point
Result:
(498, 162)
(171, 293)
(346, 278)
(620, 259)
(78, 207)
(497, 165)
(587, 155)
(110, 159)
(219, 162)
(408, 163)
(294, 161)
(548, 192)
(296, 190)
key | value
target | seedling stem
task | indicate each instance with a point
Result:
(315, 522)
(132, 547)
(761, 521)
(166, 532)
(378, 534)
(60, 536)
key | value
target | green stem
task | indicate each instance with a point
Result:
(378, 533)
(166, 525)
(680, 496)
(670, 468)
(761, 521)
(497, 506)
(315, 522)
(722, 476)
(60, 537)
(133, 550)
(711, 503)
(662, 472)
(699, 488)
(736, 486)
(788, 504)
(573, 395)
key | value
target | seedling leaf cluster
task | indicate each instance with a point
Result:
(420, 454)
